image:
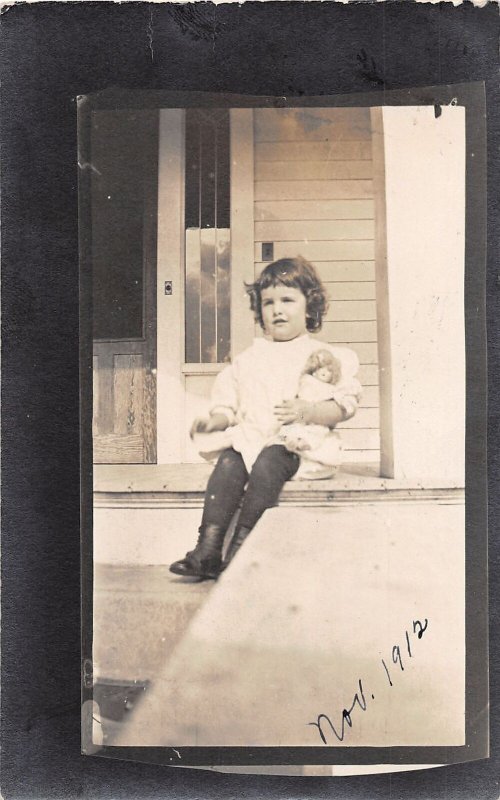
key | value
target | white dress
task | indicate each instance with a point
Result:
(263, 376)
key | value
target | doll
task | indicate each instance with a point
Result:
(321, 380)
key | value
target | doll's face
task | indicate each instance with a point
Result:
(324, 374)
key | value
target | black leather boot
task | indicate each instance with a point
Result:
(239, 537)
(205, 561)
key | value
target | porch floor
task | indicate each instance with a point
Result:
(359, 481)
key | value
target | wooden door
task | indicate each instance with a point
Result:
(124, 212)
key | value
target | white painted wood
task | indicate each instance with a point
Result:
(313, 190)
(350, 290)
(312, 170)
(323, 230)
(321, 251)
(363, 418)
(359, 439)
(351, 310)
(369, 375)
(313, 209)
(197, 404)
(370, 397)
(425, 207)
(367, 352)
(345, 271)
(341, 332)
(314, 151)
(242, 225)
(202, 369)
(170, 315)
(382, 294)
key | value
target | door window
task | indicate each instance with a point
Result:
(207, 237)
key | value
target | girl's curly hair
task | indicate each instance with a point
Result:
(299, 274)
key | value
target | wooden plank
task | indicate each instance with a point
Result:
(366, 351)
(321, 251)
(313, 209)
(313, 190)
(342, 332)
(312, 170)
(361, 270)
(351, 310)
(330, 271)
(313, 230)
(104, 348)
(370, 397)
(368, 375)
(359, 438)
(311, 124)
(95, 395)
(106, 388)
(128, 375)
(149, 418)
(117, 449)
(360, 456)
(368, 418)
(350, 290)
(314, 151)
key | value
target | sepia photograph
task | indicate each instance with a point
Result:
(250, 426)
(278, 365)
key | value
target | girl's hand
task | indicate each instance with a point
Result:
(215, 422)
(293, 411)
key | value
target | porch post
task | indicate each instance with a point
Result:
(419, 159)
(170, 260)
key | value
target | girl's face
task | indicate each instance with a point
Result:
(283, 312)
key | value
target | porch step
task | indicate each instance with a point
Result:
(183, 485)
(309, 608)
(140, 612)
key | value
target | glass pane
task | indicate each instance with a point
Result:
(223, 173)
(208, 296)
(193, 146)
(193, 294)
(207, 188)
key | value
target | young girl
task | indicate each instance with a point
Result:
(251, 399)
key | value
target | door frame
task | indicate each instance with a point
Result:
(171, 372)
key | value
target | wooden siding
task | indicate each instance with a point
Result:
(314, 197)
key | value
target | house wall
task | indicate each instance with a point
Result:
(313, 196)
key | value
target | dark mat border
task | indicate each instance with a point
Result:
(51, 53)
